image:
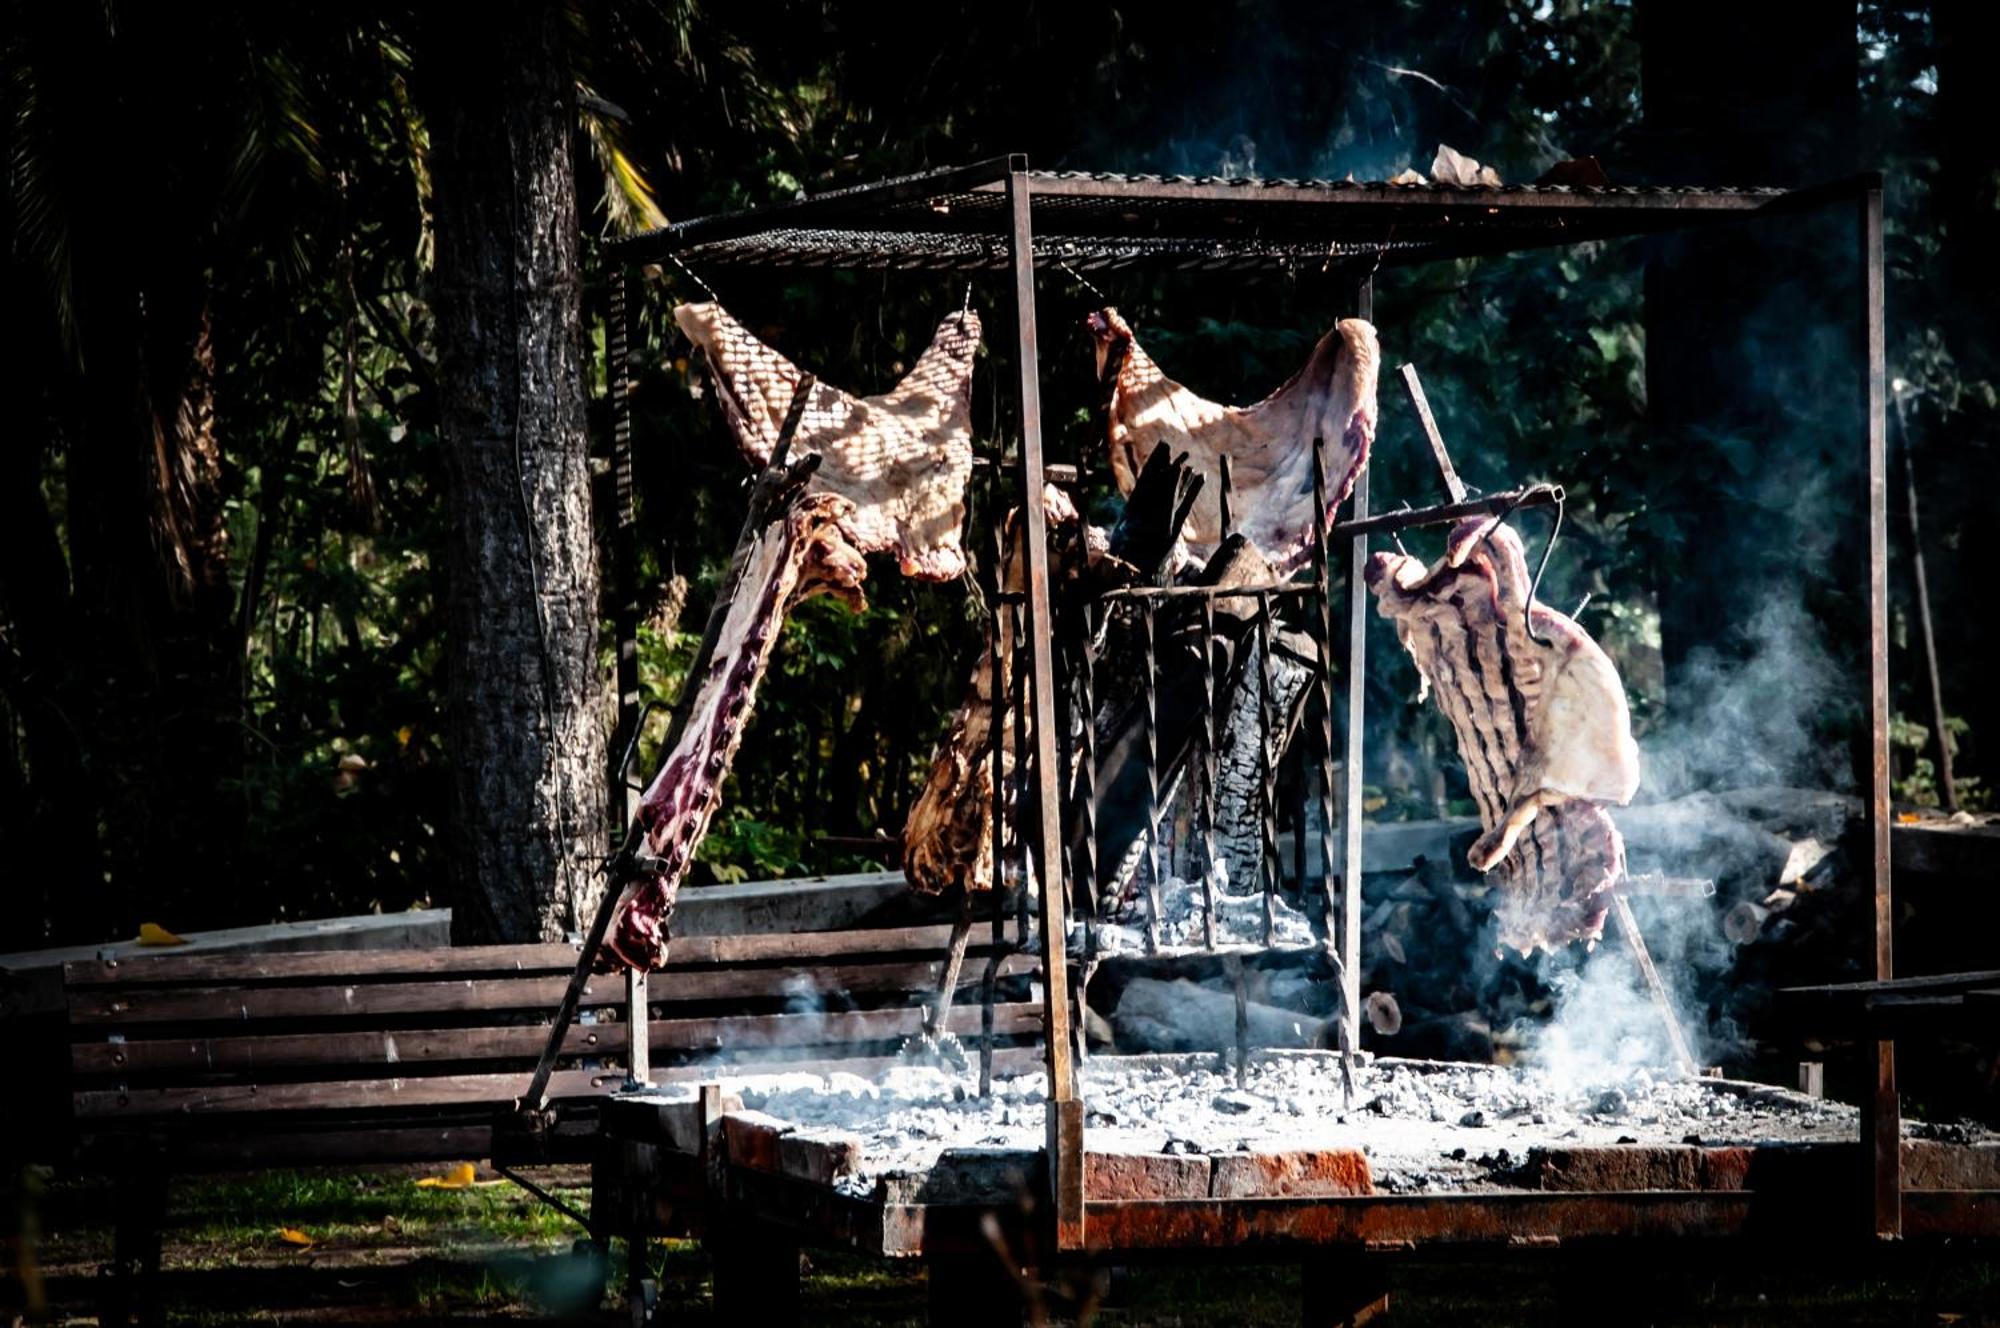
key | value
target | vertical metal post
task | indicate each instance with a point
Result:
(1947, 784)
(638, 1030)
(1065, 1109)
(1881, 1109)
(1267, 775)
(624, 809)
(624, 540)
(1206, 767)
(1357, 686)
(1084, 861)
(995, 694)
(1149, 678)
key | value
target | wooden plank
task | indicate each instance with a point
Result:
(252, 1054)
(372, 931)
(159, 1106)
(694, 951)
(1007, 1060)
(267, 969)
(118, 1008)
(121, 1008)
(440, 1091)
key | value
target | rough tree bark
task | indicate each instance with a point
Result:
(525, 720)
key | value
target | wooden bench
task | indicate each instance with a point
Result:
(234, 1062)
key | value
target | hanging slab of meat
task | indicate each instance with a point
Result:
(800, 551)
(1269, 445)
(1541, 722)
(902, 458)
(947, 840)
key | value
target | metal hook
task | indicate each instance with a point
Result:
(1535, 586)
(1082, 280)
(705, 288)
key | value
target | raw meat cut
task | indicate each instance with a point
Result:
(901, 459)
(802, 551)
(1269, 445)
(947, 839)
(1541, 722)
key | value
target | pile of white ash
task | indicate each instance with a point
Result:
(1423, 1126)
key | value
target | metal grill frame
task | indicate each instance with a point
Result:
(1000, 215)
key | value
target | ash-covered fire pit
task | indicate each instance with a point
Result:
(1178, 1127)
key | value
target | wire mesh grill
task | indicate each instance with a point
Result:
(956, 221)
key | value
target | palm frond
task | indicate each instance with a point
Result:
(628, 204)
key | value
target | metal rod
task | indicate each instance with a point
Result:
(1635, 941)
(638, 1030)
(1065, 1110)
(1535, 495)
(1881, 1108)
(1086, 762)
(546, 1197)
(1207, 770)
(997, 722)
(1225, 497)
(619, 870)
(1018, 690)
(1947, 784)
(1357, 723)
(1242, 1021)
(1209, 592)
(1332, 932)
(1149, 676)
(1267, 778)
(619, 319)
(1453, 485)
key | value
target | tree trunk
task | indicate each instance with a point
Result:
(525, 719)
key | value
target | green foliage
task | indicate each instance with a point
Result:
(280, 160)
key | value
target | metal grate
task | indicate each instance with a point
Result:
(956, 220)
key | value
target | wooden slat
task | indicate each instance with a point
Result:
(242, 1004)
(439, 1091)
(163, 1106)
(252, 1054)
(124, 1008)
(371, 965)
(1006, 1060)
(812, 945)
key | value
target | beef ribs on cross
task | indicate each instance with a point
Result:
(871, 475)
(901, 458)
(1541, 722)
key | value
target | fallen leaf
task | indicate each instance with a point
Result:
(295, 1237)
(1374, 804)
(459, 1177)
(1455, 168)
(1907, 818)
(152, 933)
